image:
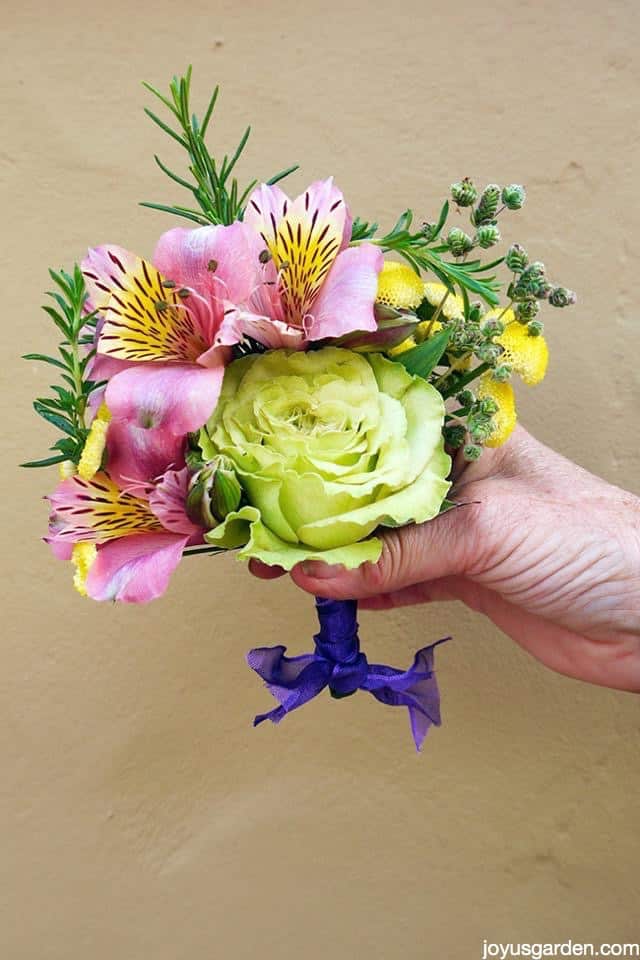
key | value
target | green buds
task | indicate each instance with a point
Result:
(454, 435)
(561, 297)
(535, 328)
(472, 451)
(527, 310)
(501, 373)
(459, 242)
(516, 258)
(487, 235)
(487, 207)
(213, 493)
(513, 196)
(464, 192)
(465, 398)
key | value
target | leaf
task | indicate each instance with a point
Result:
(54, 418)
(422, 359)
(47, 462)
(44, 359)
(444, 213)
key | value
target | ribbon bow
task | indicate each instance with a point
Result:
(339, 664)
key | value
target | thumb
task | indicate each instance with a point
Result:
(447, 545)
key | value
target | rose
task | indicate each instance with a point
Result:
(328, 445)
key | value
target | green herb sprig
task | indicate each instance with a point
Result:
(219, 198)
(65, 410)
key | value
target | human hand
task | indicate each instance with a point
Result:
(549, 552)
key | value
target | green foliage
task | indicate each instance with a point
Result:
(219, 198)
(65, 409)
(422, 359)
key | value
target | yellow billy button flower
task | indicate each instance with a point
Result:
(505, 419)
(91, 458)
(83, 556)
(526, 355)
(407, 344)
(453, 306)
(399, 286)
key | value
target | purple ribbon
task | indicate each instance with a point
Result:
(338, 664)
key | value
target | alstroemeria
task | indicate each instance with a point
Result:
(125, 547)
(301, 280)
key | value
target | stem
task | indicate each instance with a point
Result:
(467, 378)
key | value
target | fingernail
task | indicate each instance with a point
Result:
(321, 571)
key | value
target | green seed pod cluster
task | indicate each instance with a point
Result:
(464, 192)
(516, 258)
(513, 196)
(487, 235)
(487, 207)
(561, 297)
(459, 242)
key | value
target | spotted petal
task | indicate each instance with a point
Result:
(97, 510)
(304, 237)
(346, 301)
(146, 318)
(168, 502)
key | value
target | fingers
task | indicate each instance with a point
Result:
(445, 546)
(264, 572)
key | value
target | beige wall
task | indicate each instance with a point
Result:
(142, 817)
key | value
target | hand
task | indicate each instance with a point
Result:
(549, 552)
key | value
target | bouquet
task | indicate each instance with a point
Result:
(282, 380)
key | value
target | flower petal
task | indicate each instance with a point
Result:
(304, 237)
(274, 334)
(96, 510)
(345, 302)
(168, 502)
(144, 319)
(137, 456)
(135, 569)
(177, 397)
(220, 263)
(101, 269)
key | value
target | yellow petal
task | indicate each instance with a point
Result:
(146, 320)
(505, 419)
(399, 286)
(453, 307)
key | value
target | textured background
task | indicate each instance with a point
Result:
(141, 815)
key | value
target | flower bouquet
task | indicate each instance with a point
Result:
(285, 381)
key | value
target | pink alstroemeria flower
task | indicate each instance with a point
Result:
(295, 279)
(139, 540)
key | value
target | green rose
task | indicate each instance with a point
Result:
(328, 446)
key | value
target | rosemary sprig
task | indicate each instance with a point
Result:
(219, 198)
(65, 410)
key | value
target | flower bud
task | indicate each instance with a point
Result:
(492, 327)
(214, 492)
(535, 328)
(487, 235)
(501, 373)
(476, 311)
(527, 310)
(465, 398)
(517, 258)
(561, 297)
(488, 406)
(464, 192)
(513, 196)
(454, 435)
(488, 352)
(472, 451)
(487, 207)
(458, 242)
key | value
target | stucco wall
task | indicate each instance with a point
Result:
(141, 814)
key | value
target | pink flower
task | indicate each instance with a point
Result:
(285, 276)
(139, 539)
